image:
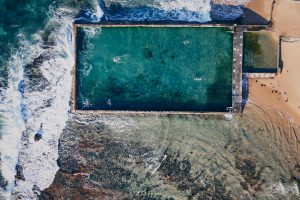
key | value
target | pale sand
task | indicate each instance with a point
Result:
(286, 21)
(286, 17)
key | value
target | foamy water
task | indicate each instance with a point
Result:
(45, 103)
(183, 7)
(157, 10)
(13, 125)
(38, 159)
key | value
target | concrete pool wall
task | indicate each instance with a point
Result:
(236, 69)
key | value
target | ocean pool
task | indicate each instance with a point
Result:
(260, 52)
(154, 68)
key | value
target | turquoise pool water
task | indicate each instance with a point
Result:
(154, 68)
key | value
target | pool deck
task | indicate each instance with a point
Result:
(237, 72)
(236, 67)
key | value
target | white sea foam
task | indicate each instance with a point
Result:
(38, 159)
(174, 10)
(97, 12)
(13, 125)
(94, 15)
(117, 59)
(181, 6)
(231, 2)
(284, 190)
(202, 6)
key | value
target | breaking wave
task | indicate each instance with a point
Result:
(166, 10)
(37, 101)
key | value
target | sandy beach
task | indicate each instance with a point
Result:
(283, 92)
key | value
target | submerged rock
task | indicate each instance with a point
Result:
(3, 182)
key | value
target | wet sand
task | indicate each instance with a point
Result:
(283, 92)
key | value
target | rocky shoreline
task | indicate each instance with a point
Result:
(97, 160)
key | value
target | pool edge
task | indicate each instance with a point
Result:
(236, 106)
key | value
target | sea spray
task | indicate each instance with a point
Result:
(182, 8)
(157, 10)
(38, 93)
(46, 97)
(13, 125)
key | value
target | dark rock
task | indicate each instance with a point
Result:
(21, 86)
(37, 137)
(251, 173)
(36, 190)
(3, 182)
(35, 80)
(76, 187)
(19, 174)
(48, 39)
(244, 185)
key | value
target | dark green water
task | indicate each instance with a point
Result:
(157, 69)
(260, 52)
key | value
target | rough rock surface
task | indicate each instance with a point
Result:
(98, 161)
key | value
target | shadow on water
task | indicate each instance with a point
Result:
(215, 92)
(280, 61)
(245, 91)
(226, 13)
(253, 18)
(220, 91)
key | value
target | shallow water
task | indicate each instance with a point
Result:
(156, 69)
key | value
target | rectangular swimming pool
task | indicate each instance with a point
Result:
(260, 52)
(154, 68)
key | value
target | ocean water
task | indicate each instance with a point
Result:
(134, 68)
(36, 60)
